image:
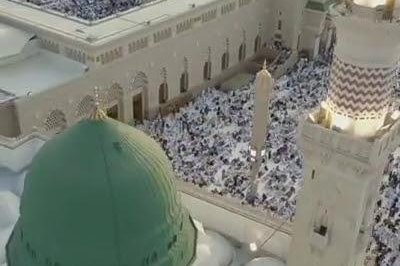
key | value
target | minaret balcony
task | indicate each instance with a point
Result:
(319, 139)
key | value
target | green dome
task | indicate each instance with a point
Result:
(101, 194)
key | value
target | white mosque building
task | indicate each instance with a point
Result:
(143, 62)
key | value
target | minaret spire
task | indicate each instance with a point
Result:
(261, 117)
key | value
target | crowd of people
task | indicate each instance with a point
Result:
(88, 9)
(207, 142)
(386, 244)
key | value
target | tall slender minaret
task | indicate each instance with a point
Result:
(264, 86)
(347, 140)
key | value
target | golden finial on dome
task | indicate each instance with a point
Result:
(265, 64)
(97, 113)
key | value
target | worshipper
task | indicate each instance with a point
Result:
(207, 142)
(88, 9)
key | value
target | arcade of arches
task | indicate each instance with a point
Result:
(114, 102)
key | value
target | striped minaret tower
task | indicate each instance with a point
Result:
(346, 141)
(363, 67)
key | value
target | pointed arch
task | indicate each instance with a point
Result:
(56, 121)
(279, 24)
(140, 101)
(111, 100)
(139, 81)
(242, 52)
(163, 93)
(85, 106)
(321, 220)
(225, 61)
(257, 43)
(113, 112)
(184, 82)
(207, 70)
(114, 93)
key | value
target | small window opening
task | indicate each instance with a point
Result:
(322, 230)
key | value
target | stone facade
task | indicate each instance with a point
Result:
(342, 177)
(346, 143)
(188, 50)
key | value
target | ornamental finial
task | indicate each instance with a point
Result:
(97, 113)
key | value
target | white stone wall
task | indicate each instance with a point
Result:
(313, 27)
(341, 182)
(235, 221)
(292, 19)
(168, 54)
(243, 23)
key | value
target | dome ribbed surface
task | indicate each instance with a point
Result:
(101, 194)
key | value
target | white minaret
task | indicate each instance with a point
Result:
(264, 86)
(346, 141)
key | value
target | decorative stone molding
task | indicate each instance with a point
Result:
(364, 150)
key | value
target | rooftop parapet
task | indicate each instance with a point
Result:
(13, 143)
(380, 10)
(367, 150)
(6, 96)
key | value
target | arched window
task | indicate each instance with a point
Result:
(139, 101)
(225, 61)
(257, 43)
(184, 82)
(137, 108)
(207, 71)
(56, 121)
(139, 81)
(321, 221)
(114, 93)
(85, 106)
(279, 24)
(163, 93)
(113, 111)
(242, 52)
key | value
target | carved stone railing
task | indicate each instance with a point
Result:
(257, 214)
(13, 143)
